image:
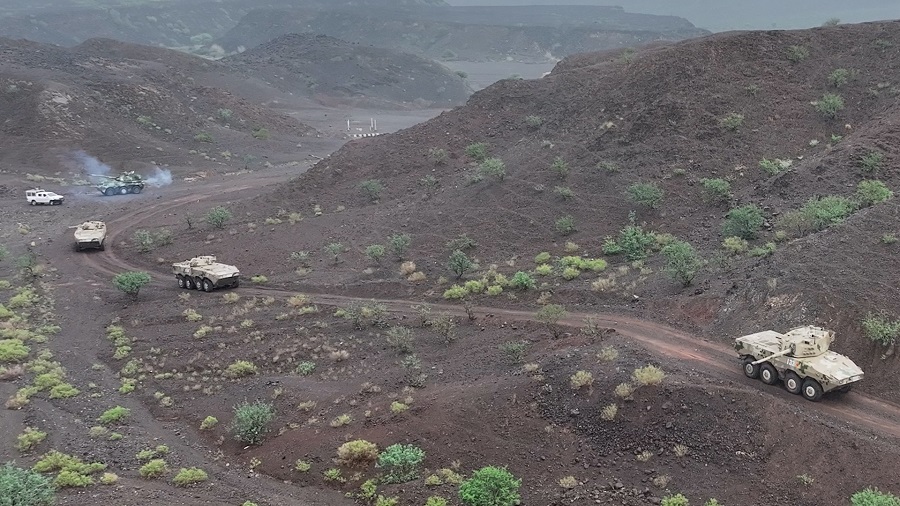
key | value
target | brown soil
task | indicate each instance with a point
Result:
(477, 403)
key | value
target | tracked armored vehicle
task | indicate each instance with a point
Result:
(124, 183)
(90, 235)
(204, 273)
(801, 358)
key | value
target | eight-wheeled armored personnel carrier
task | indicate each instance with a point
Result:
(204, 273)
(124, 183)
(802, 358)
(90, 235)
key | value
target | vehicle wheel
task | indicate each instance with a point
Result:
(109, 192)
(207, 285)
(768, 374)
(198, 284)
(236, 284)
(102, 246)
(792, 382)
(812, 390)
(181, 283)
(34, 202)
(189, 283)
(751, 370)
(123, 190)
(137, 189)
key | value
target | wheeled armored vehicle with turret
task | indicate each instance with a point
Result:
(124, 183)
(90, 234)
(801, 358)
(205, 273)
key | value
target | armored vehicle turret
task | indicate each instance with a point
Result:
(802, 358)
(204, 273)
(90, 234)
(124, 183)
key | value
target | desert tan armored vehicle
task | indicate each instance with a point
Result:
(90, 234)
(204, 273)
(801, 358)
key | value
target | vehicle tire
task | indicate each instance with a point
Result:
(123, 190)
(34, 202)
(751, 370)
(189, 282)
(181, 283)
(137, 189)
(768, 374)
(236, 284)
(793, 383)
(198, 284)
(109, 192)
(102, 246)
(812, 390)
(207, 285)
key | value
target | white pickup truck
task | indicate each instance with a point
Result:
(39, 196)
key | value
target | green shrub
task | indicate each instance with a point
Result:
(24, 487)
(209, 422)
(401, 462)
(63, 391)
(872, 192)
(872, 161)
(131, 282)
(250, 422)
(203, 137)
(674, 500)
(829, 105)
(560, 167)
(114, 415)
(647, 194)
(732, 121)
(633, 241)
(522, 281)
(550, 315)
(218, 216)
(68, 478)
(371, 188)
(435, 501)
(494, 290)
(400, 338)
(189, 476)
(241, 368)
(490, 486)
(838, 77)
(534, 121)
(797, 54)
(743, 222)
(357, 452)
(716, 190)
(542, 258)
(29, 438)
(564, 192)
(543, 270)
(565, 225)
(478, 151)
(775, 166)
(306, 368)
(459, 263)
(826, 211)
(437, 155)
(375, 252)
(399, 244)
(682, 262)
(735, 246)
(763, 251)
(224, 114)
(881, 328)
(474, 286)
(609, 166)
(13, 350)
(154, 469)
(492, 167)
(260, 133)
(874, 497)
(889, 238)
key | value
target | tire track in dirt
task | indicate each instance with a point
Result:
(712, 358)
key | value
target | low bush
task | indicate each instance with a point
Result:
(647, 194)
(716, 190)
(565, 225)
(13, 350)
(241, 368)
(251, 420)
(357, 452)
(829, 105)
(114, 415)
(154, 469)
(490, 486)
(189, 476)
(24, 487)
(401, 462)
(743, 222)
(649, 375)
(871, 192)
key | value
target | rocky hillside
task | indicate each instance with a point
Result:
(487, 33)
(338, 71)
(121, 101)
(683, 136)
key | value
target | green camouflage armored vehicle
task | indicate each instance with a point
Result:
(124, 183)
(204, 273)
(801, 358)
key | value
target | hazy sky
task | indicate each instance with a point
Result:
(721, 15)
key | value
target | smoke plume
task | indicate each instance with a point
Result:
(92, 165)
(160, 177)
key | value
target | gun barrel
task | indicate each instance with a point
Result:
(779, 354)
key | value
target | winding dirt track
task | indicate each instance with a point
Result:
(856, 411)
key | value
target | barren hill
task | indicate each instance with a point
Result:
(127, 102)
(335, 70)
(738, 110)
(483, 33)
